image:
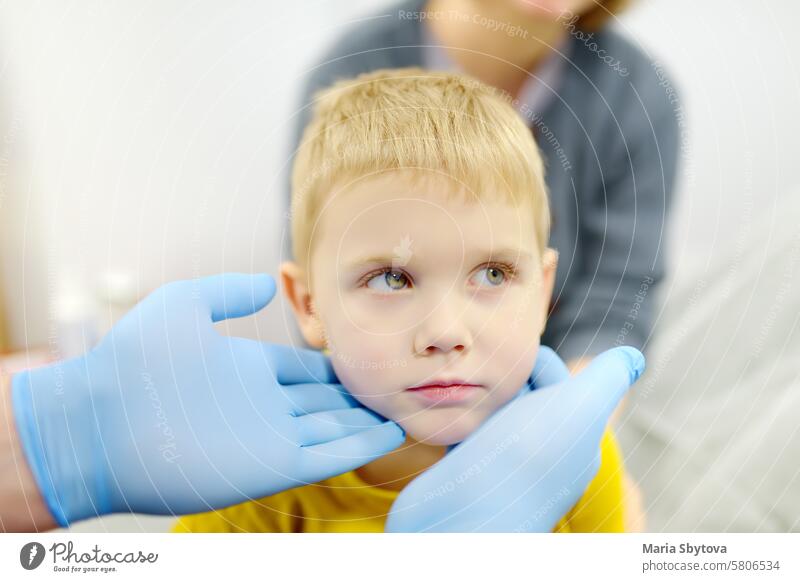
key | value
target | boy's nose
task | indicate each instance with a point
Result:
(444, 330)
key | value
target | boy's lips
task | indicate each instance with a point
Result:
(445, 391)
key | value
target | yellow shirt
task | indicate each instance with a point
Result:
(347, 504)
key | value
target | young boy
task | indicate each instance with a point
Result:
(420, 224)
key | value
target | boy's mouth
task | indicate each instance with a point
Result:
(443, 392)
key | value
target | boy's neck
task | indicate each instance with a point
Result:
(397, 469)
(494, 57)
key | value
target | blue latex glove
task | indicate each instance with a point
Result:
(166, 416)
(531, 461)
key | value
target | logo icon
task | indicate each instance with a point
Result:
(31, 555)
(402, 252)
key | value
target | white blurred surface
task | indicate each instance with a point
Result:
(150, 138)
(146, 138)
(711, 430)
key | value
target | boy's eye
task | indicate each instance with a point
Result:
(489, 276)
(388, 281)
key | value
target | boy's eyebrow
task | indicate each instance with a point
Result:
(505, 253)
(508, 254)
(368, 260)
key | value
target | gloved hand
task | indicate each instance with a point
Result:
(166, 416)
(531, 461)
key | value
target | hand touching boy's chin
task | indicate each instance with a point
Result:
(437, 407)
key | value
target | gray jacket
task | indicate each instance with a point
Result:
(610, 143)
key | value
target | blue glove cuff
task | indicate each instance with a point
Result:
(44, 402)
(23, 408)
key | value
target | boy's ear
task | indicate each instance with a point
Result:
(549, 266)
(295, 287)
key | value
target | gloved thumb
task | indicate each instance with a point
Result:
(549, 369)
(236, 294)
(608, 377)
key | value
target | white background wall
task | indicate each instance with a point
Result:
(150, 137)
(146, 137)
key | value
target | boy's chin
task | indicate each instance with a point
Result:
(435, 434)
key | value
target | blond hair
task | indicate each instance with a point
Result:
(411, 119)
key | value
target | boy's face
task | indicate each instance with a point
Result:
(408, 288)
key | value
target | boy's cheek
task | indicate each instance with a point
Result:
(369, 389)
(370, 380)
(370, 315)
(512, 364)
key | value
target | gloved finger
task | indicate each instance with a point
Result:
(310, 398)
(353, 451)
(323, 427)
(549, 369)
(235, 294)
(608, 377)
(292, 365)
